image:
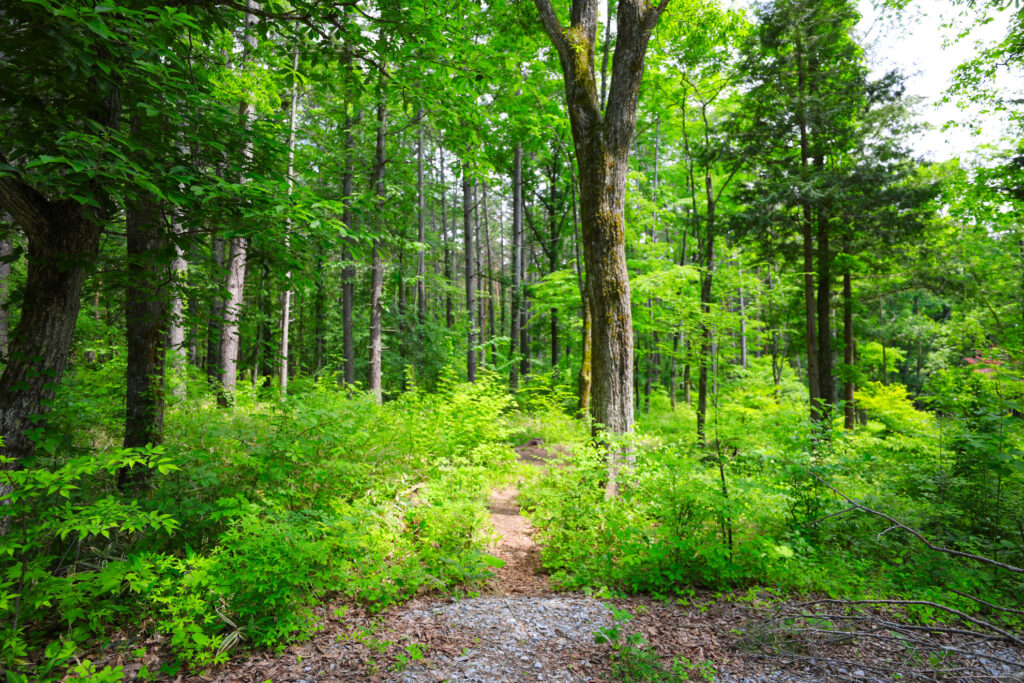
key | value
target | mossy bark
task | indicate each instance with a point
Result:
(602, 138)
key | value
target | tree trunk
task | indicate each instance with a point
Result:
(176, 332)
(319, 317)
(469, 228)
(743, 320)
(6, 250)
(237, 254)
(826, 377)
(813, 375)
(515, 312)
(229, 332)
(478, 280)
(490, 275)
(215, 322)
(63, 240)
(286, 295)
(146, 329)
(348, 272)
(421, 263)
(552, 250)
(707, 341)
(849, 409)
(449, 252)
(377, 267)
(602, 142)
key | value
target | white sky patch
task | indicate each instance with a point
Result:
(918, 43)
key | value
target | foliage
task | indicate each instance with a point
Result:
(753, 508)
(370, 503)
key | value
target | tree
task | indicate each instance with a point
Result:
(602, 137)
(807, 85)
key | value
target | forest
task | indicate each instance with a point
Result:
(292, 291)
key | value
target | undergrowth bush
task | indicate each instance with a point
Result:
(253, 516)
(755, 506)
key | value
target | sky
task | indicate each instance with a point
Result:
(920, 43)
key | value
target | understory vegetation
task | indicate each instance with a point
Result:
(261, 513)
(255, 516)
(766, 503)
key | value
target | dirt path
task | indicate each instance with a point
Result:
(521, 574)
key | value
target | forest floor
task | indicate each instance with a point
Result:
(518, 628)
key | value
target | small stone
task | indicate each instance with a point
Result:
(538, 665)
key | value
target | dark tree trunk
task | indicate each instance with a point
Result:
(826, 377)
(477, 279)
(813, 372)
(524, 322)
(707, 341)
(320, 318)
(6, 250)
(469, 228)
(63, 241)
(421, 197)
(348, 273)
(602, 142)
(449, 253)
(146, 327)
(490, 275)
(215, 322)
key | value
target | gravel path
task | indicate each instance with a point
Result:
(524, 638)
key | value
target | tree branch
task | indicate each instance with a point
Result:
(552, 26)
(26, 205)
(651, 20)
(918, 535)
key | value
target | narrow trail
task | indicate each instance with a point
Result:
(521, 574)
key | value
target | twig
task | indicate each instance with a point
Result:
(987, 604)
(925, 603)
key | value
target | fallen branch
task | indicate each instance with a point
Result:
(917, 534)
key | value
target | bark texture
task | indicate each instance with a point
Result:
(469, 229)
(146, 327)
(377, 265)
(602, 141)
(421, 207)
(63, 240)
(348, 273)
(517, 265)
(176, 324)
(229, 339)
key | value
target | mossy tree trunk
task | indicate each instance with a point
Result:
(602, 139)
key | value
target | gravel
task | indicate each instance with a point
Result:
(515, 639)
